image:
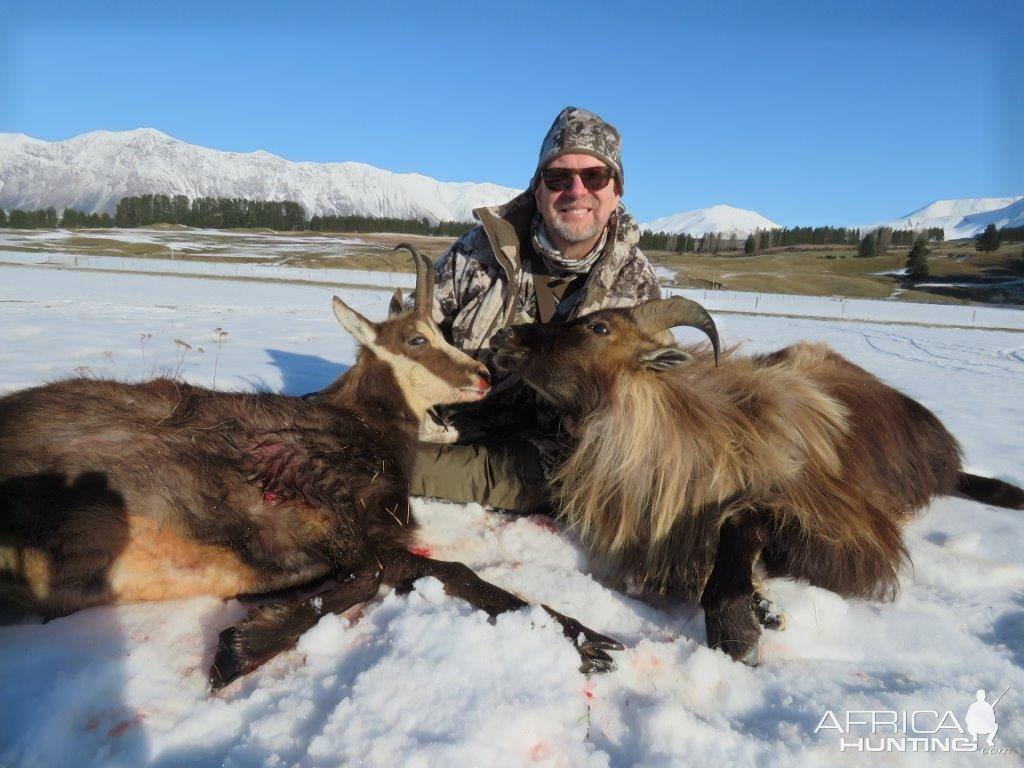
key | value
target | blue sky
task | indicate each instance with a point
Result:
(808, 112)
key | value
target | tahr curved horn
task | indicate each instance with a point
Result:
(423, 299)
(662, 314)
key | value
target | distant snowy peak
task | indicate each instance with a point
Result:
(91, 172)
(717, 218)
(965, 217)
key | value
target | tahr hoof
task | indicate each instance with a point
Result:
(732, 627)
(768, 616)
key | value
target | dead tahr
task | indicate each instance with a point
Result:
(685, 473)
(113, 492)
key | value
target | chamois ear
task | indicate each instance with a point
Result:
(361, 329)
(665, 358)
(396, 307)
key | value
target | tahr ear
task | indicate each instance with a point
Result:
(665, 358)
(396, 307)
(361, 329)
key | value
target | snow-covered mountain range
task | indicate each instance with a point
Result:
(717, 218)
(962, 218)
(93, 171)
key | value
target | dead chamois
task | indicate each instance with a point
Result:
(113, 492)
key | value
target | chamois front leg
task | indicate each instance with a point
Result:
(277, 626)
(729, 599)
(402, 568)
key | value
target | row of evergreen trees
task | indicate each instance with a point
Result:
(48, 218)
(764, 239)
(355, 223)
(72, 219)
(222, 213)
(209, 212)
(683, 243)
(43, 218)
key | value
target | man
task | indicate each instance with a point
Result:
(563, 248)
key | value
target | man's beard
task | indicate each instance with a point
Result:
(572, 234)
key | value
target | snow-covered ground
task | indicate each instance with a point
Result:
(422, 679)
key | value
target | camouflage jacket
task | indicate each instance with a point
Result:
(485, 280)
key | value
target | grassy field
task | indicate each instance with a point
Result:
(958, 272)
(838, 271)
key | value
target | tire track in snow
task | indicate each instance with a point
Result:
(928, 357)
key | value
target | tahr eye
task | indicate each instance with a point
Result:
(416, 341)
(600, 328)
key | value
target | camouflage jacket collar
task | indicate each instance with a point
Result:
(509, 229)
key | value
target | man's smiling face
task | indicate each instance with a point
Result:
(576, 215)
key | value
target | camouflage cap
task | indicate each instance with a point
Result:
(577, 131)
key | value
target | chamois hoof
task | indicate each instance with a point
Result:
(592, 646)
(593, 659)
(768, 616)
(227, 663)
(733, 627)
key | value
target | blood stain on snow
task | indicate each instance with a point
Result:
(422, 551)
(589, 692)
(540, 751)
(543, 522)
(124, 725)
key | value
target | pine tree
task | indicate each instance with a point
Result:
(3, 218)
(868, 246)
(917, 260)
(988, 240)
(751, 245)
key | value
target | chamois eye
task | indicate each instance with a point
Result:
(416, 341)
(600, 328)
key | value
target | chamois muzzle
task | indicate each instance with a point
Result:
(653, 317)
(423, 299)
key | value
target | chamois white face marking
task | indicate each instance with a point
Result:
(421, 386)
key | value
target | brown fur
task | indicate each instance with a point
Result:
(822, 458)
(112, 492)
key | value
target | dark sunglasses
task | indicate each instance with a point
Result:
(560, 179)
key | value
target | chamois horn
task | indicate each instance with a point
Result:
(424, 298)
(661, 314)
